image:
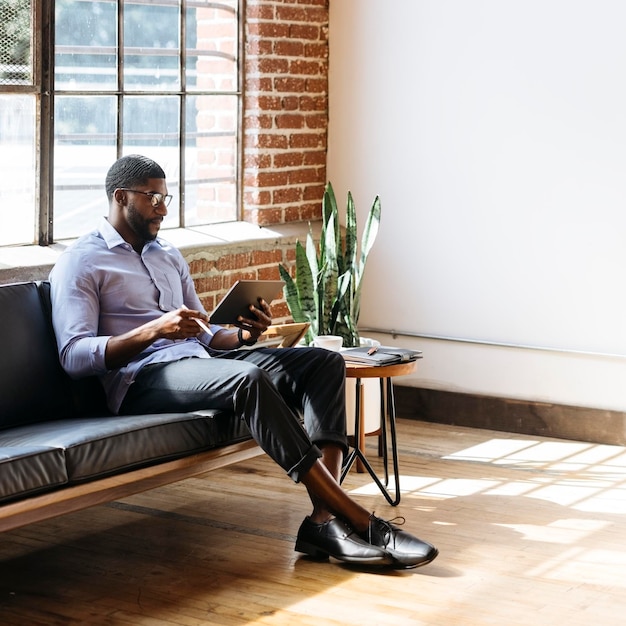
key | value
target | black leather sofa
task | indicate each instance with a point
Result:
(61, 450)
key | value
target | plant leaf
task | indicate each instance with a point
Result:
(290, 291)
(350, 253)
(305, 285)
(328, 279)
(369, 236)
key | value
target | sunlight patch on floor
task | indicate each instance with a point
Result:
(591, 566)
(585, 477)
(569, 531)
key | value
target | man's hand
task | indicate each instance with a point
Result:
(251, 328)
(179, 324)
(259, 323)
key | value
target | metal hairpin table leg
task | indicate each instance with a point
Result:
(387, 414)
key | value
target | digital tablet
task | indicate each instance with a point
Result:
(241, 295)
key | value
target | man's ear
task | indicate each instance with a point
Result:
(119, 195)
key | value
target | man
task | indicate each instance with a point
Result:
(125, 309)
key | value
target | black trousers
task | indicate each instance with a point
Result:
(290, 398)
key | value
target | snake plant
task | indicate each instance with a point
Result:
(326, 290)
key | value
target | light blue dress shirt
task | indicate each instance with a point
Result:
(101, 287)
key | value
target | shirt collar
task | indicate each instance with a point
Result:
(112, 238)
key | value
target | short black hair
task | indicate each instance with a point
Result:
(131, 170)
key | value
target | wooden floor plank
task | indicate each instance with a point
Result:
(531, 531)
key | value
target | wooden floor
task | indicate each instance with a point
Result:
(531, 531)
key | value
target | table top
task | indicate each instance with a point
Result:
(359, 370)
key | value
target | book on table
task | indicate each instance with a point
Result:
(381, 355)
(281, 336)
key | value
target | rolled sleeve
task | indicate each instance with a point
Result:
(85, 357)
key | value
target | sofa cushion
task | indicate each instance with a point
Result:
(95, 447)
(34, 386)
(30, 469)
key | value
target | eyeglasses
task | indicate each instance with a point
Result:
(155, 198)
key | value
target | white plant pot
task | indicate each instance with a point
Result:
(370, 404)
(370, 401)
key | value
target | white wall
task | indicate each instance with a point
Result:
(494, 132)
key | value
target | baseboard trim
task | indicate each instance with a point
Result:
(516, 416)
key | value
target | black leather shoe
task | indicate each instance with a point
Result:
(405, 549)
(335, 538)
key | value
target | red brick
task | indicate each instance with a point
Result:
(272, 179)
(262, 122)
(315, 157)
(266, 217)
(272, 141)
(297, 177)
(208, 302)
(317, 103)
(317, 121)
(268, 30)
(318, 50)
(316, 85)
(290, 13)
(233, 261)
(292, 214)
(311, 32)
(315, 192)
(258, 198)
(258, 84)
(257, 161)
(271, 103)
(290, 159)
(287, 195)
(231, 279)
(290, 121)
(264, 257)
(290, 103)
(259, 46)
(269, 273)
(213, 282)
(274, 66)
(288, 48)
(307, 140)
(310, 212)
(290, 84)
(300, 66)
(280, 309)
(259, 10)
(310, 14)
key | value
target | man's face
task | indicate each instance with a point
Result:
(143, 218)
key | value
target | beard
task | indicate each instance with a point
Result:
(140, 226)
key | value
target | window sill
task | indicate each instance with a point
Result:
(23, 263)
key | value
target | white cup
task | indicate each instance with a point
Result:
(329, 342)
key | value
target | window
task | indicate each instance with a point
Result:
(156, 77)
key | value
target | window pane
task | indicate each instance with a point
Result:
(212, 47)
(84, 149)
(17, 164)
(211, 160)
(16, 61)
(85, 45)
(151, 46)
(151, 127)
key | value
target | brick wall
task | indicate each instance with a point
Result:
(215, 268)
(285, 110)
(285, 140)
